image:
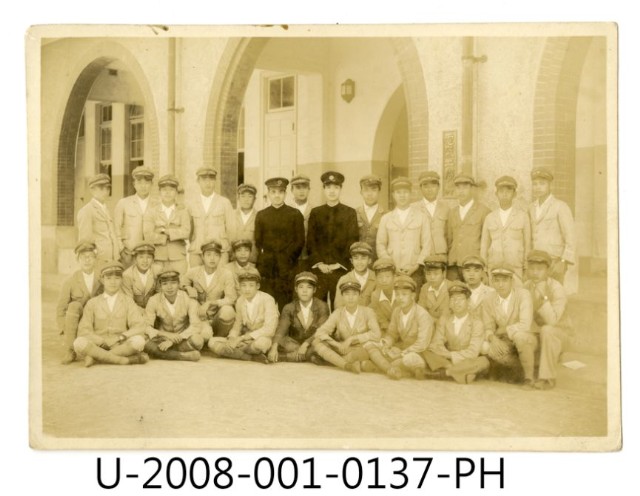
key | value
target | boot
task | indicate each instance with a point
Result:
(138, 358)
(353, 367)
(381, 362)
(329, 355)
(190, 356)
(368, 366)
(438, 375)
(100, 354)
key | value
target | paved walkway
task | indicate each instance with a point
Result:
(217, 398)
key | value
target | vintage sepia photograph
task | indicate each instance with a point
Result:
(324, 237)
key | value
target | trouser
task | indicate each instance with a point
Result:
(71, 320)
(126, 258)
(553, 341)
(520, 359)
(458, 371)
(280, 287)
(221, 323)
(326, 352)
(118, 355)
(386, 358)
(244, 351)
(418, 278)
(327, 284)
(176, 351)
(178, 265)
(454, 273)
(558, 270)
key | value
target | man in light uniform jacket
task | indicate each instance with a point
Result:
(436, 210)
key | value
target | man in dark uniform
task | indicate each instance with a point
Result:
(333, 228)
(279, 237)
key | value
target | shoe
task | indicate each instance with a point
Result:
(368, 366)
(545, 384)
(353, 367)
(437, 375)
(394, 373)
(260, 358)
(470, 378)
(316, 360)
(138, 359)
(69, 356)
(190, 356)
(527, 385)
(88, 361)
(420, 374)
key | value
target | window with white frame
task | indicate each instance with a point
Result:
(106, 116)
(282, 93)
(136, 134)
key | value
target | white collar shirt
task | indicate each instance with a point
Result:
(111, 300)
(430, 206)
(88, 280)
(504, 215)
(464, 210)
(351, 317)
(206, 201)
(370, 211)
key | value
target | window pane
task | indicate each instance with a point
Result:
(275, 96)
(106, 113)
(105, 143)
(288, 91)
(136, 111)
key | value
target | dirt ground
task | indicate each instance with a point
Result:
(217, 398)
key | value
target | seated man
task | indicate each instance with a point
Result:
(510, 344)
(214, 288)
(434, 295)
(139, 280)
(340, 339)
(399, 353)
(473, 268)
(549, 316)
(361, 254)
(251, 336)
(242, 250)
(454, 351)
(173, 319)
(76, 291)
(112, 328)
(383, 298)
(298, 322)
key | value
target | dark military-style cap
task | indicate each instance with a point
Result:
(168, 180)
(404, 282)
(542, 173)
(347, 285)
(277, 182)
(362, 248)
(144, 247)
(309, 277)
(384, 263)
(464, 179)
(112, 268)
(502, 270)
(207, 172)
(99, 180)
(507, 181)
(474, 261)
(332, 177)
(168, 275)
(371, 180)
(539, 256)
(401, 183)
(249, 275)
(458, 287)
(84, 246)
(247, 188)
(239, 243)
(211, 245)
(142, 172)
(435, 262)
(300, 179)
(429, 177)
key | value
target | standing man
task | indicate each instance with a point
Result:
(213, 217)
(300, 188)
(95, 223)
(507, 318)
(333, 228)
(129, 213)
(437, 211)
(464, 226)
(506, 235)
(553, 229)
(279, 239)
(76, 291)
(549, 316)
(245, 222)
(167, 225)
(404, 234)
(370, 214)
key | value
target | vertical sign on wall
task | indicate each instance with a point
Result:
(449, 162)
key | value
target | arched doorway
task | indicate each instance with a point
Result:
(232, 79)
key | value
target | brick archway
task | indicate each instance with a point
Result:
(230, 83)
(89, 68)
(556, 98)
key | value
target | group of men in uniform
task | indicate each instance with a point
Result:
(426, 290)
